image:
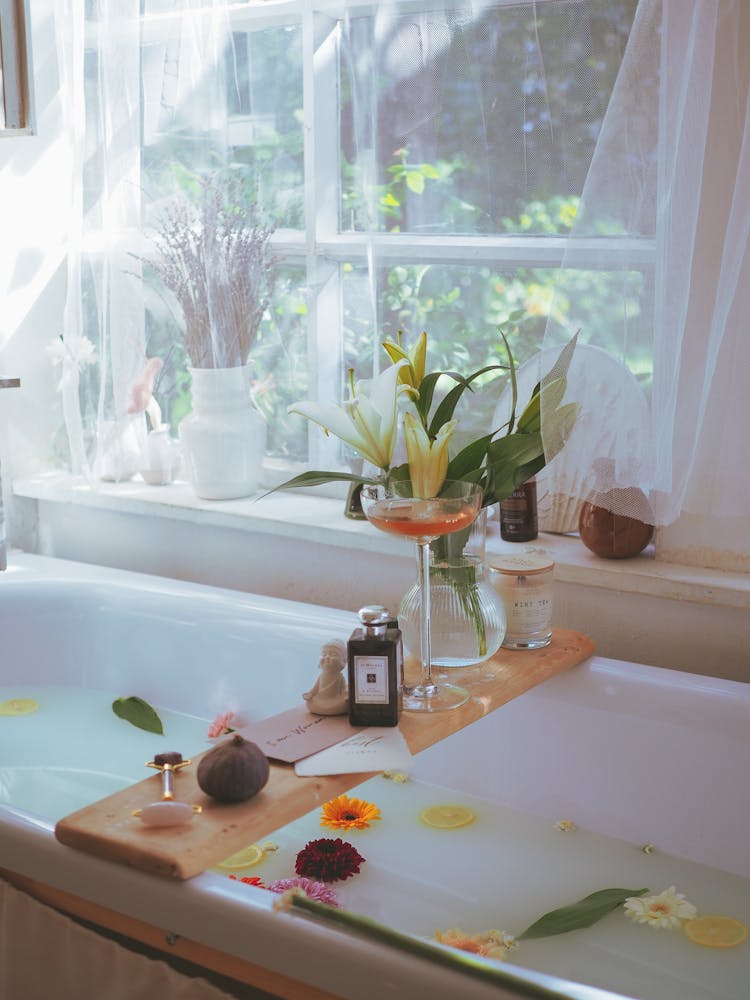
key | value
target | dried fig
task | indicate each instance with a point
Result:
(233, 771)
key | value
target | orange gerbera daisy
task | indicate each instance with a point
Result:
(343, 813)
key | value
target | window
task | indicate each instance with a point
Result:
(431, 165)
(15, 102)
(423, 165)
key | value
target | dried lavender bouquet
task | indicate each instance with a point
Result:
(213, 255)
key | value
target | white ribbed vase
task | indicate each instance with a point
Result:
(224, 438)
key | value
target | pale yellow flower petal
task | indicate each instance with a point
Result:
(428, 460)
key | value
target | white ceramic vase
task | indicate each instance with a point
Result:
(224, 438)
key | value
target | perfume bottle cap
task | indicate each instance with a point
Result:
(375, 619)
(374, 614)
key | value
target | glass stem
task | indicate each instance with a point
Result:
(423, 575)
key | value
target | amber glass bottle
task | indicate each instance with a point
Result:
(518, 514)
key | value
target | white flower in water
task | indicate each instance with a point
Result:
(565, 826)
(666, 909)
(398, 776)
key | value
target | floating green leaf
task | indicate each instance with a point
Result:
(584, 913)
(138, 713)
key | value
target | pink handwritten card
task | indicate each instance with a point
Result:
(297, 733)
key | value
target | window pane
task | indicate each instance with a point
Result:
(230, 116)
(484, 121)
(461, 308)
(474, 120)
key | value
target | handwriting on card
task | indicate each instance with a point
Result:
(297, 733)
(372, 749)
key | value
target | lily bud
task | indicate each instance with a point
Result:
(428, 460)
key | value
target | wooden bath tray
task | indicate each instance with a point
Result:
(109, 830)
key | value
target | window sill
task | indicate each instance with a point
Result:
(305, 516)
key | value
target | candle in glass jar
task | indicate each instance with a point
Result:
(524, 583)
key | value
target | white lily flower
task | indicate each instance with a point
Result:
(416, 357)
(367, 421)
(428, 460)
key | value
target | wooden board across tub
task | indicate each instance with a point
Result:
(108, 829)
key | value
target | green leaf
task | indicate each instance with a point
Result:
(426, 392)
(515, 449)
(513, 382)
(560, 367)
(557, 428)
(470, 459)
(138, 713)
(431, 171)
(415, 181)
(444, 412)
(511, 460)
(584, 913)
(317, 477)
(504, 481)
(553, 392)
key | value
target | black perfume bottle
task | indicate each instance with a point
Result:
(375, 669)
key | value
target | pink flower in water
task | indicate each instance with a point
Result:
(315, 890)
(220, 725)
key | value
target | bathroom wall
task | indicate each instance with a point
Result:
(640, 610)
(35, 208)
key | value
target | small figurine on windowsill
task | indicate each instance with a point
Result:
(329, 694)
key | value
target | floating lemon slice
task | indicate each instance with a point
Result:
(447, 817)
(18, 706)
(245, 858)
(716, 931)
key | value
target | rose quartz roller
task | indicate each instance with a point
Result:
(167, 812)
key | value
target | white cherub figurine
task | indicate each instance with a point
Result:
(329, 693)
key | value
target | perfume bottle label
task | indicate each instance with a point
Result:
(371, 680)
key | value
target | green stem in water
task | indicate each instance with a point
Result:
(463, 580)
(458, 961)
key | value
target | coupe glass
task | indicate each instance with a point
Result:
(393, 507)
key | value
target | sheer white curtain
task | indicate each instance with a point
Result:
(702, 368)
(125, 88)
(659, 245)
(683, 163)
(98, 282)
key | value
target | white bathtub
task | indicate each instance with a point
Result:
(631, 752)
